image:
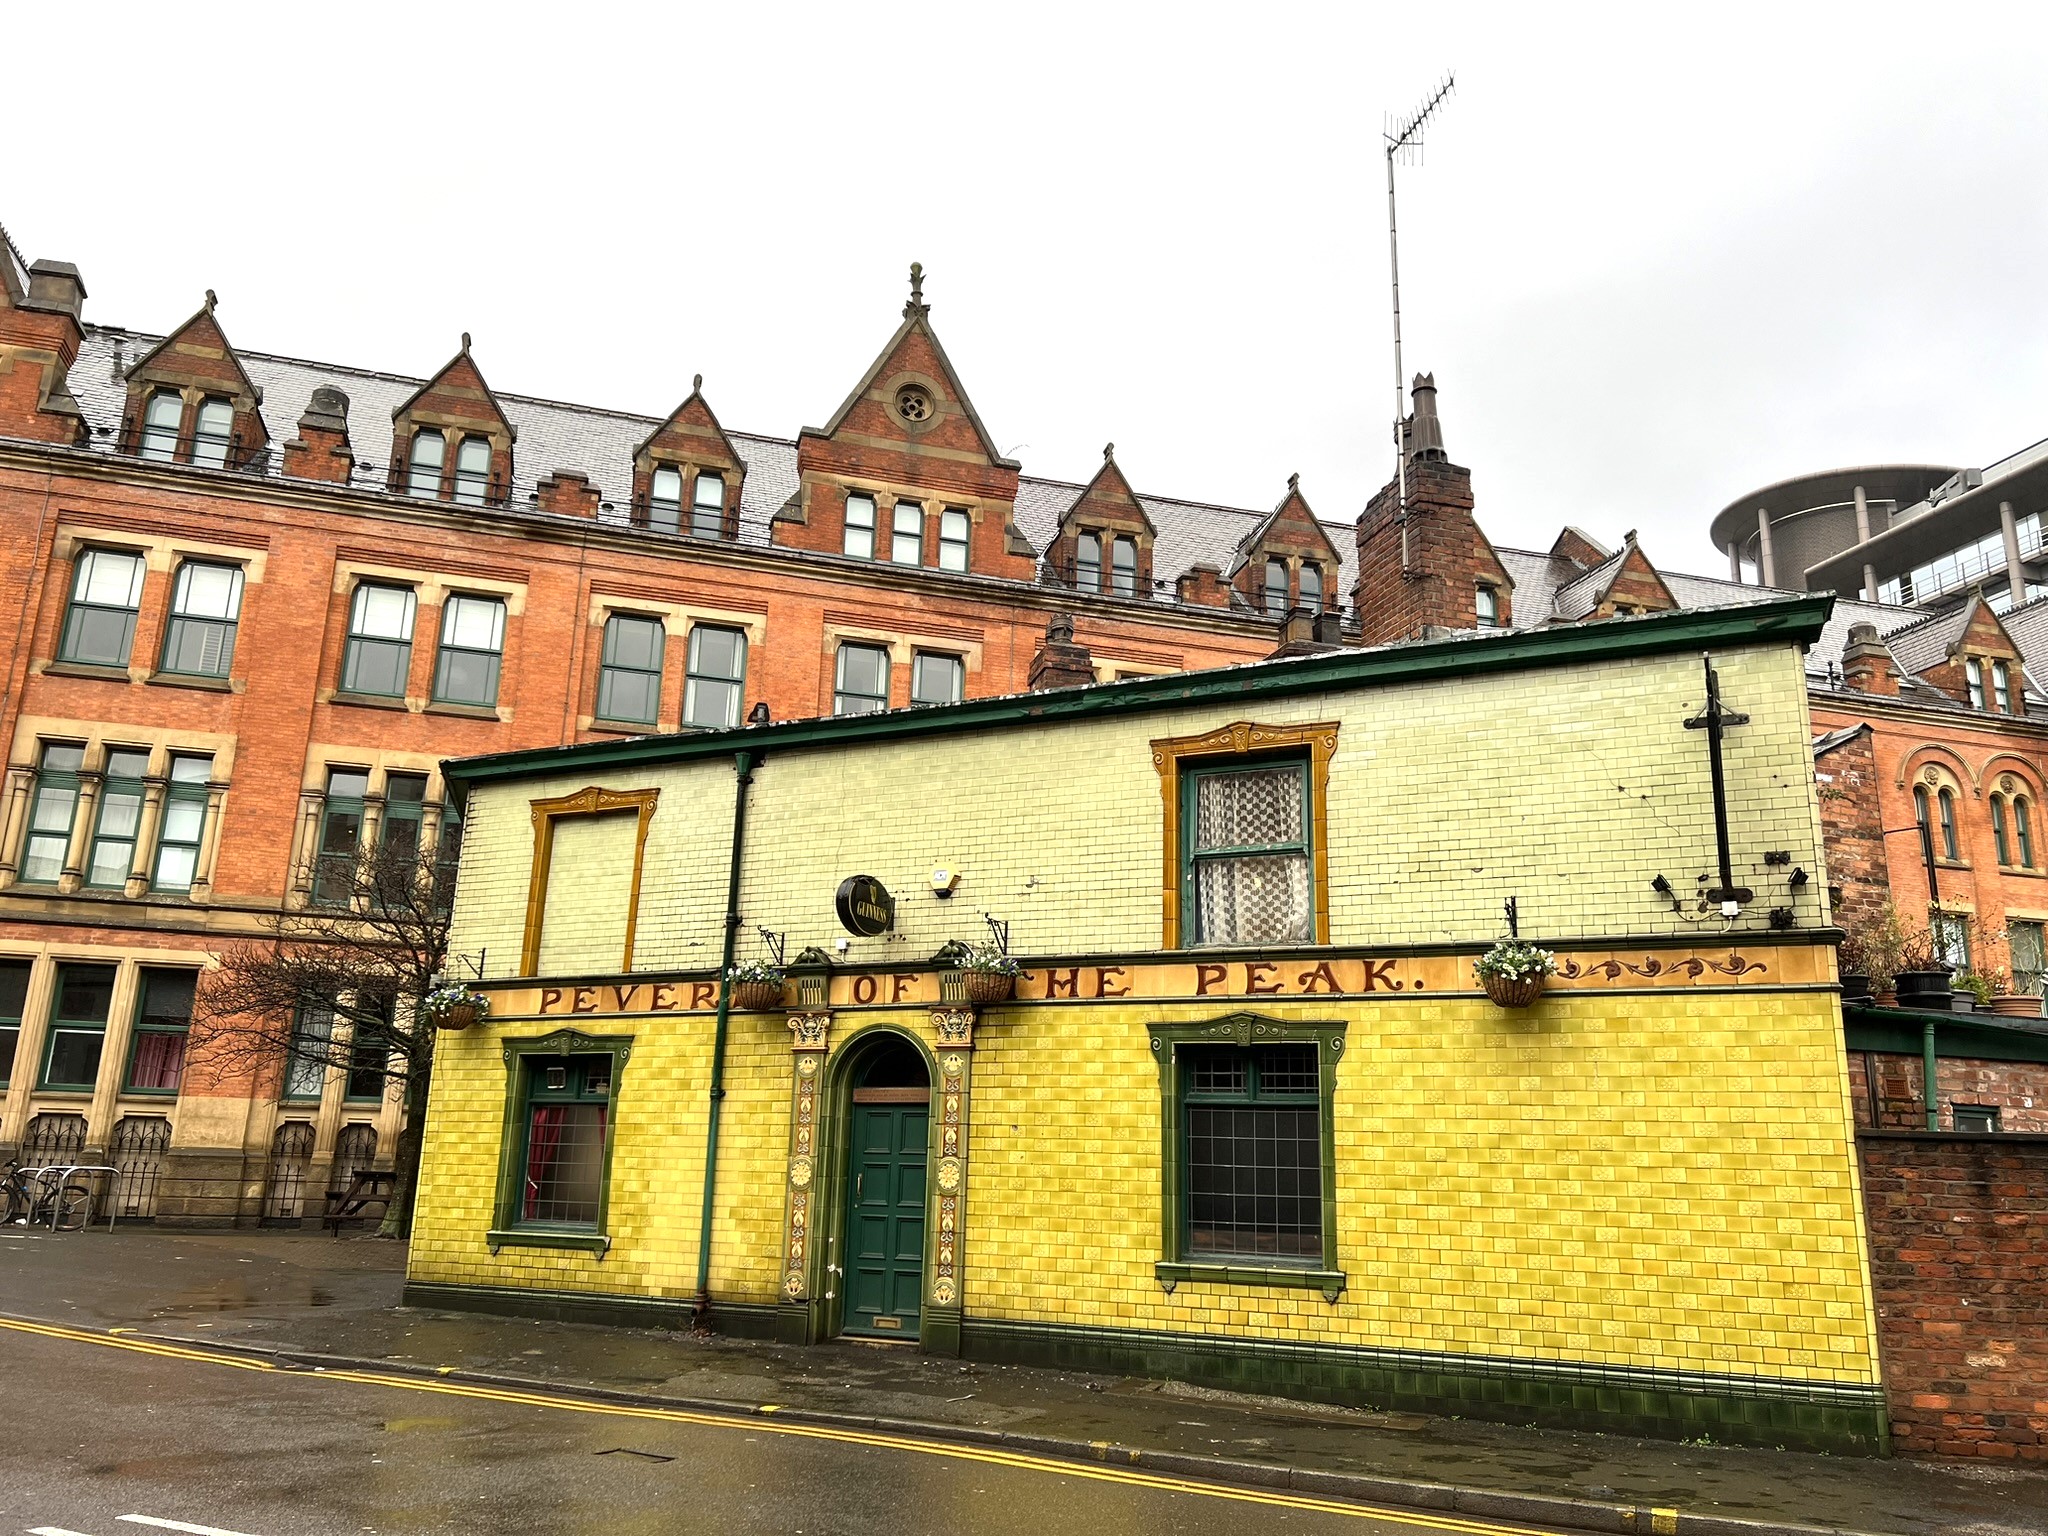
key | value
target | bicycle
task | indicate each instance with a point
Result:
(33, 1199)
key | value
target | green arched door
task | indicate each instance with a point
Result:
(889, 1132)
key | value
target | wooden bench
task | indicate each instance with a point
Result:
(365, 1188)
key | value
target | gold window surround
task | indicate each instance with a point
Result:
(1245, 739)
(592, 801)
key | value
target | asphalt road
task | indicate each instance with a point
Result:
(103, 1440)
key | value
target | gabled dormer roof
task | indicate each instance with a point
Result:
(1580, 548)
(1109, 498)
(1291, 517)
(693, 420)
(1628, 569)
(1922, 647)
(915, 346)
(460, 378)
(199, 346)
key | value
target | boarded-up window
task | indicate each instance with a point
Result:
(590, 888)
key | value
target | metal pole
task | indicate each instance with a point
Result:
(1927, 853)
(1929, 1072)
(1400, 390)
(743, 765)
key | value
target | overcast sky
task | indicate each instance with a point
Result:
(1655, 256)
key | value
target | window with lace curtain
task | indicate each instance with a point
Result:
(1247, 874)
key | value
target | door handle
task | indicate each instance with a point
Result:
(859, 1183)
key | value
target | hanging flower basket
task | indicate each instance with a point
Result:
(454, 1008)
(984, 987)
(1513, 973)
(757, 996)
(988, 974)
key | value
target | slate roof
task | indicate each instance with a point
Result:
(554, 435)
(1920, 646)
(1826, 743)
(1581, 595)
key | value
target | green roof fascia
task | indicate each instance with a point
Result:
(1901, 1032)
(1796, 621)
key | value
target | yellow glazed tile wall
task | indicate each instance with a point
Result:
(1611, 1179)
(657, 1165)
(590, 885)
(1569, 788)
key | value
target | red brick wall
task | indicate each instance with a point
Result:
(1959, 1262)
(1852, 832)
(2018, 1090)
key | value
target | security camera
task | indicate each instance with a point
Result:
(944, 881)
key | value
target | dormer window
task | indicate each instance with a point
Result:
(665, 500)
(473, 471)
(213, 434)
(423, 472)
(707, 506)
(860, 527)
(160, 421)
(1311, 586)
(1973, 675)
(2001, 687)
(1486, 607)
(1123, 566)
(1088, 562)
(1276, 588)
(953, 526)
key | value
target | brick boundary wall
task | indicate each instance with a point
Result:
(1959, 1261)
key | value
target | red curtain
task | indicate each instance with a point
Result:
(543, 1138)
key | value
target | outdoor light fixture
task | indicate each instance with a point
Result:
(944, 882)
(1798, 878)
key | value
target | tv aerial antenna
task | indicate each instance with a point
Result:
(1404, 143)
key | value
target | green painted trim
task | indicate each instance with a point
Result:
(506, 1230)
(536, 1237)
(1241, 1029)
(1976, 1036)
(1795, 621)
(1330, 1282)
(742, 1319)
(1836, 1417)
(1192, 773)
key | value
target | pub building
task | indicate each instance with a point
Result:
(1247, 1116)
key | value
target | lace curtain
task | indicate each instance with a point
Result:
(1251, 897)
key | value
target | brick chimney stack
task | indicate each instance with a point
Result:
(1867, 665)
(1446, 556)
(569, 493)
(320, 448)
(1059, 661)
(41, 330)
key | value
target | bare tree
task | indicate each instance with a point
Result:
(338, 985)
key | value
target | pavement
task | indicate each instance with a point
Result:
(326, 1303)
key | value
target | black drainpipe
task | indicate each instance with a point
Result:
(743, 765)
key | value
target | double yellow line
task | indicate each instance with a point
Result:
(1131, 1477)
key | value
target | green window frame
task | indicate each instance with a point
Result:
(954, 529)
(466, 671)
(405, 808)
(106, 595)
(2001, 687)
(14, 979)
(473, 471)
(163, 1019)
(2028, 944)
(1190, 1093)
(860, 681)
(306, 1058)
(162, 420)
(1224, 869)
(1998, 829)
(184, 822)
(118, 822)
(206, 610)
(707, 505)
(859, 538)
(936, 678)
(341, 837)
(369, 1063)
(629, 669)
(424, 462)
(213, 433)
(447, 855)
(715, 676)
(1088, 562)
(1973, 676)
(52, 812)
(377, 661)
(1123, 565)
(1273, 589)
(544, 1194)
(1945, 802)
(79, 1009)
(906, 533)
(2023, 826)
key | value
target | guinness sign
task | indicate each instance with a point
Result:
(865, 906)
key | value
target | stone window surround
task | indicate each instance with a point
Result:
(431, 591)
(454, 430)
(165, 378)
(1933, 777)
(886, 494)
(652, 459)
(901, 648)
(677, 620)
(162, 554)
(98, 738)
(379, 764)
(22, 1100)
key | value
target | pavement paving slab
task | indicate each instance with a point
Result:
(305, 1294)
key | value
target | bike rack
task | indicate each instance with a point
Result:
(57, 1175)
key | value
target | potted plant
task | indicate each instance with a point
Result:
(988, 974)
(454, 1006)
(1513, 972)
(1972, 991)
(1923, 978)
(1852, 958)
(756, 986)
(2007, 1003)
(1883, 943)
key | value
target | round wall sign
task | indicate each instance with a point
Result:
(865, 906)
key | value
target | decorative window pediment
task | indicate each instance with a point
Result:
(451, 440)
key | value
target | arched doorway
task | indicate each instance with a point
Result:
(888, 1130)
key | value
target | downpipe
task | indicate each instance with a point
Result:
(743, 768)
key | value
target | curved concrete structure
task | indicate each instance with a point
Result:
(1812, 518)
